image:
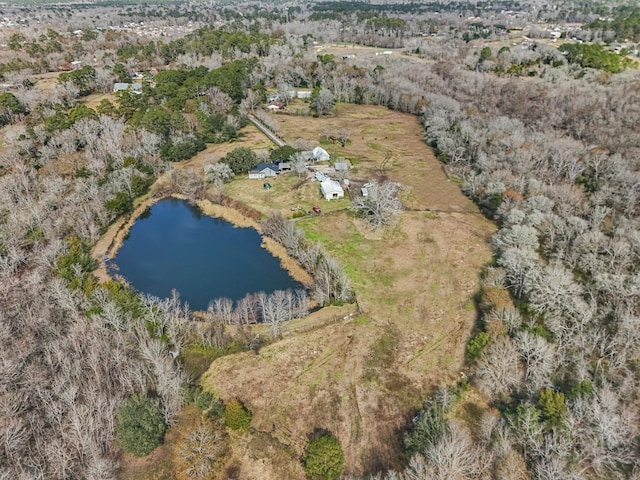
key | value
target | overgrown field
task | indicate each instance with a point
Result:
(361, 377)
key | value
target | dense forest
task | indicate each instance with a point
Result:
(541, 136)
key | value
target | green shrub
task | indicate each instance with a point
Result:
(323, 459)
(236, 415)
(207, 401)
(476, 345)
(552, 407)
(240, 159)
(426, 428)
(216, 408)
(203, 400)
(120, 204)
(139, 425)
(76, 265)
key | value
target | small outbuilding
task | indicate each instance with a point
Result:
(320, 154)
(364, 190)
(331, 189)
(264, 170)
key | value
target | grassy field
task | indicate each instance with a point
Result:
(358, 374)
(362, 376)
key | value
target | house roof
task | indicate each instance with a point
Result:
(329, 187)
(341, 166)
(117, 87)
(320, 153)
(263, 166)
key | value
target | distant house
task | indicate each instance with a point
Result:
(263, 170)
(303, 94)
(284, 167)
(331, 189)
(320, 154)
(275, 107)
(127, 87)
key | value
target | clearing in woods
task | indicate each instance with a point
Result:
(359, 375)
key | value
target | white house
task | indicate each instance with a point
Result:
(127, 87)
(320, 154)
(263, 170)
(331, 189)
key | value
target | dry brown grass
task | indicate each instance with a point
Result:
(417, 281)
(360, 377)
(375, 131)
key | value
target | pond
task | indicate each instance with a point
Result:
(175, 246)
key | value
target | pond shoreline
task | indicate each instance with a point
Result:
(109, 243)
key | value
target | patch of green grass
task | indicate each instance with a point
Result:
(382, 353)
(376, 146)
(197, 358)
(456, 180)
(362, 320)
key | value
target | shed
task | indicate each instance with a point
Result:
(284, 167)
(364, 190)
(263, 170)
(331, 189)
(307, 155)
(320, 154)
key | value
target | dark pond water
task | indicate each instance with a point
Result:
(175, 246)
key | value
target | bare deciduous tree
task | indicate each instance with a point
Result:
(381, 206)
(218, 174)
